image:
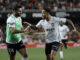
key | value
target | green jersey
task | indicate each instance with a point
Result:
(12, 21)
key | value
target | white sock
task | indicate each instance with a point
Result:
(61, 54)
(24, 58)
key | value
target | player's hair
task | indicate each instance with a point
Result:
(47, 10)
(16, 7)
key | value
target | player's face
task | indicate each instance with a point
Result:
(19, 12)
(44, 14)
(61, 24)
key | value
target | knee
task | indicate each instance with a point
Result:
(25, 55)
(48, 57)
(54, 53)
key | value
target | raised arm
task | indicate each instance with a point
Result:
(14, 31)
(71, 23)
(32, 26)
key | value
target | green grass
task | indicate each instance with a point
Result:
(72, 53)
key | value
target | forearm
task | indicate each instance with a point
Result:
(15, 31)
(34, 27)
(71, 23)
(18, 31)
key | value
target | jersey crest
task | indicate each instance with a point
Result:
(52, 24)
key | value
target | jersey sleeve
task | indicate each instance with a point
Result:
(21, 22)
(11, 22)
(67, 28)
(39, 24)
(60, 19)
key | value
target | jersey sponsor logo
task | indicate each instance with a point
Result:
(11, 23)
(52, 24)
(50, 29)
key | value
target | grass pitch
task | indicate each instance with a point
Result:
(72, 53)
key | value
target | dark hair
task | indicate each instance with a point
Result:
(47, 10)
(16, 7)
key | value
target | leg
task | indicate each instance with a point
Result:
(12, 58)
(61, 47)
(55, 47)
(48, 51)
(48, 56)
(22, 50)
(53, 54)
(11, 51)
(61, 52)
(65, 44)
(24, 54)
(12, 54)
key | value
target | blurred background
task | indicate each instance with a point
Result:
(31, 13)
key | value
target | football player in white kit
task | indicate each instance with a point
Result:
(64, 37)
(51, 26)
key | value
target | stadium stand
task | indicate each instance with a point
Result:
(33, 4)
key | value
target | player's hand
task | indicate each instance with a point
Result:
(65, 36)
(26, 29)
(74, 30)
(76, 34)
(31, 31)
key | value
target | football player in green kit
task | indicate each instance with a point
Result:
(13, 34)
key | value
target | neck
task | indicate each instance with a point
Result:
(48, 18)
(15, 15)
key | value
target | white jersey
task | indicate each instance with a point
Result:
(51, 28)
(63, 31)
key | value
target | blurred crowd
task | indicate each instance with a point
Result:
(33, 4)
(2, 33)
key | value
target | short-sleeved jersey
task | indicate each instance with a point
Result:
(12, 21)
(51, 28)
(63, 31)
